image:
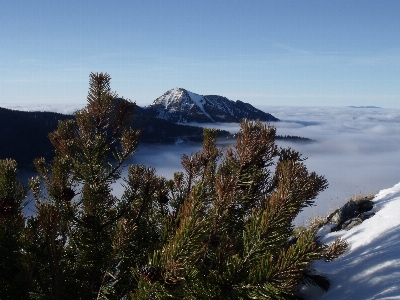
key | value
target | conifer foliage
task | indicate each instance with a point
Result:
(220, 229)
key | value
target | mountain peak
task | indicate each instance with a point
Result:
(176, 95)
(181, 105)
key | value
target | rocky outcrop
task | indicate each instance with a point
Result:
(351, 214)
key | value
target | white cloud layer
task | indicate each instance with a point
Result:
(356, 149)
(67, 109)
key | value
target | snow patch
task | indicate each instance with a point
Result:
(199, 101)
(169, 98)
(370, 269)
(179, 142)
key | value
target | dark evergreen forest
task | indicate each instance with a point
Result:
(24, 135)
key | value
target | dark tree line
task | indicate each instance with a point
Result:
(23, 135)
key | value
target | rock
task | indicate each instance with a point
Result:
(351, 214)
(351, 223)
(365, 205)
(367, 215)
(348, 211)
(334, 218)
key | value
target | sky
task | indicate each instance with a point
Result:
(290, 53)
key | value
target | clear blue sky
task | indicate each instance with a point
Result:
(263, 52)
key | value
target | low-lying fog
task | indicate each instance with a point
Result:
(356, 149)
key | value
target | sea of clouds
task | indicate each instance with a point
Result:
(356, 149)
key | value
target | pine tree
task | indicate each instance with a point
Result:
(80, 229)
(228, 234)
(221, 229)
(13, 274)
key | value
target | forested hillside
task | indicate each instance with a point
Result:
(24, 135)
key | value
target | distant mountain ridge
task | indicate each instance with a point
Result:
(23, 135)
(182, 106)
(369, 106)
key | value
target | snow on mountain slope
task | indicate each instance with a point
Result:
(199, 100)
(180, 105)
(370, 269)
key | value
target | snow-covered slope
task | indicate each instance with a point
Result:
(370, 269)
(180, 105)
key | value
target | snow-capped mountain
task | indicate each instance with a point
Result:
(181, 106)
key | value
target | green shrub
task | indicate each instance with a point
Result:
(218, 230)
